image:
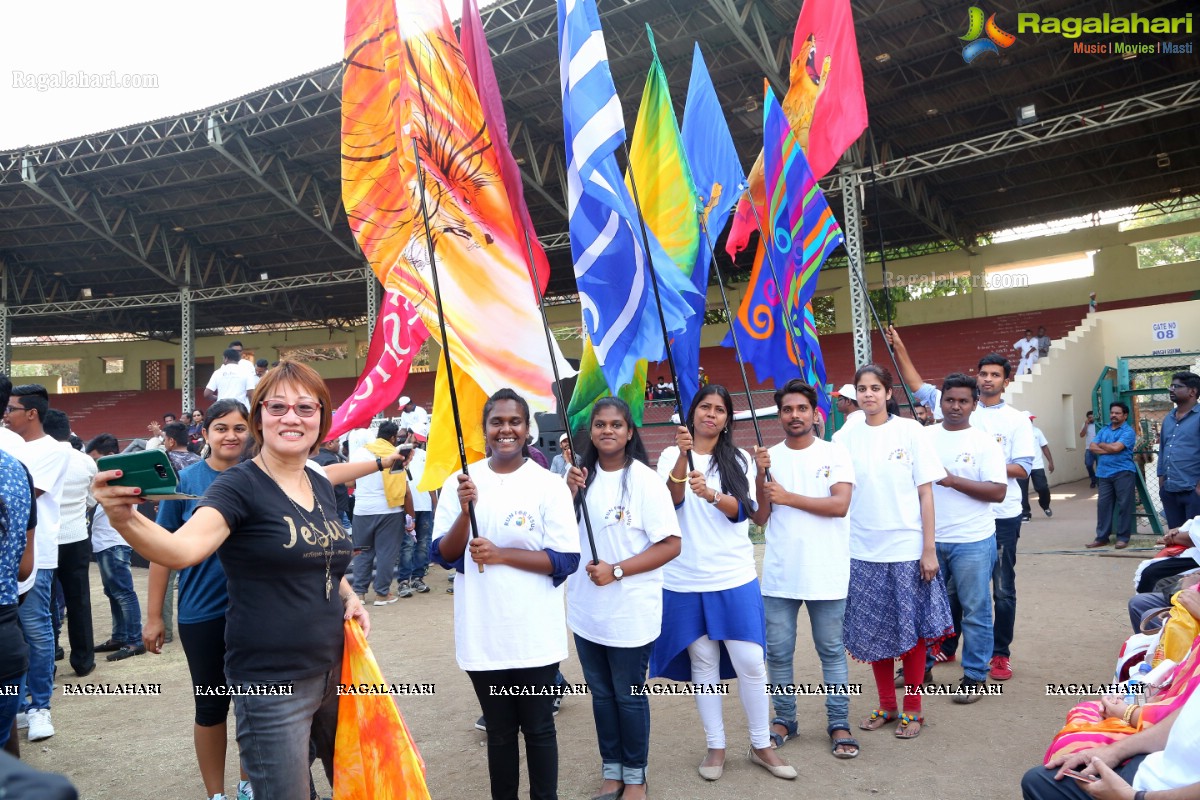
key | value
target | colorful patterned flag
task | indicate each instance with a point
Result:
(803, 233)
(718, 177)
(406, 80)
(611, 270)
(825, 102)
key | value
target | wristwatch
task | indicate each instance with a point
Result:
(716, 498)
(618, 573)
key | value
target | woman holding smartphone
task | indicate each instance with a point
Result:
(615, 607)
(273, 522)
(714, 627)
(897, 600)
(509, 631)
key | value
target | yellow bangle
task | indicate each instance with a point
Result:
(671, 475)
(1128, 716)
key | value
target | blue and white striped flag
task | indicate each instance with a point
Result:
(610, 263)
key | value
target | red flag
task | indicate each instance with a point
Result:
(479, 65)
(825, 103)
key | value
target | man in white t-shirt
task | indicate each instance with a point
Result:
(1042, 460)
(1157, 761)
(1088, 434)
(47, 462)
(965, 533)
(246, 365)
(807, 558)
(1011, 429)
(414, 418)
(846, 399)
(1028, 348)
(230, 382)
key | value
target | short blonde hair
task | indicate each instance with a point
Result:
(304, 378)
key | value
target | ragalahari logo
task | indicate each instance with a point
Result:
(976, 27)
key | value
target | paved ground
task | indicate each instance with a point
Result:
(1071, 609)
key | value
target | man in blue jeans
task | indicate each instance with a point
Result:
(1117, 475)
(807, 561)
(47, 460)
(965, 533)
(1011, 429)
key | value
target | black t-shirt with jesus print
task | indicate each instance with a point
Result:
(279, 625)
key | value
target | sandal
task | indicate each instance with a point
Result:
(845, 741)
(905, 731)
(878, 719)
(777, 739)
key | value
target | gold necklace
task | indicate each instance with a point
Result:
(326, 551)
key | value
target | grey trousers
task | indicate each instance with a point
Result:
(377, 536)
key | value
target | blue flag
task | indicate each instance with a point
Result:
(611, 270)
(719, 178)
(780, 332)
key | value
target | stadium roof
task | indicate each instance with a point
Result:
(240, 202)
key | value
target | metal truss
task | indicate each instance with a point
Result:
(854, 249)
(255, 288)
(765, 56)
(1154, 104)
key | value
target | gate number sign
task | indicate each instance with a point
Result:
(1165, 331)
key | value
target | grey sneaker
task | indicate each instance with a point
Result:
(969, 691)
(481, 724)
(405, 590)
(418, 586)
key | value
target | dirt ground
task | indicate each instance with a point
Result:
(1071, 620)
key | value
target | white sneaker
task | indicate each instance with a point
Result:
(22, 720)
(39, 724)
(218, 796)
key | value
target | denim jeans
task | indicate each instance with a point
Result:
(278, 735)
(1089, 463)
(122, 599)
(622, 718)
(825, 618)
(10, 704)
(1004, 584)
(506, 715)
(1117, 490)
(967, 569)
(414, 552)
(38, 627)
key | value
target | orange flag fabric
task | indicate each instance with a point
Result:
(374, 757)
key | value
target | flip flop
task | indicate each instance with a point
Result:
(903, 731)
(878, 719)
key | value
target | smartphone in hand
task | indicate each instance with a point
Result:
(1079, 776)
(149, 470)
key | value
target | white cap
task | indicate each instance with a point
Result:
(566, 437)
(404, 400)
(847, 392)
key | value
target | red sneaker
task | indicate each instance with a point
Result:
(1001, 670)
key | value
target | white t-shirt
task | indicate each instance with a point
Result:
(1012, 430)
(1025, 345)
(416, 420)
(1090, 435)
(230, 382)
(416, 468)
(104, 535)
(246, 366)
(1039, 439)
(47, 460)
(628, 612)
(808, 555)
(717, 553)
(974, 455)
(504, 617)
(1176, 764)
(76, 497)
(369, 497)
(890, 461)
(11, 443)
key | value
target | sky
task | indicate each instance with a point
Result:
(197, 54)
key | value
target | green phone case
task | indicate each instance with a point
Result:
(150, 470)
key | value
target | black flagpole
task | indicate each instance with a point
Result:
(562, 405)
(437, 295)
(766, 246)
(662, 319)
(875, 314)
(737, 350)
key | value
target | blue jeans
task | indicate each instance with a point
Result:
(1004, 584)
(825, 618)
(967, 569)
(1089, 463)
(38, 627)
(414, 552)
(122, 599)
(10, 704)
(622, 718)
(278, 735)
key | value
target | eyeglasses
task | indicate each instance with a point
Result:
(11, 409)
(277, 408)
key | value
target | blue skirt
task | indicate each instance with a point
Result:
(734, 614)
(889, 608)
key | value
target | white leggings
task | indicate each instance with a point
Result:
(747, 659)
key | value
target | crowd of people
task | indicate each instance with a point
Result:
(899, 535)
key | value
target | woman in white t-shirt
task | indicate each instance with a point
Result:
(509, 632)
(897, 601)
(713, 622)
(615, 606)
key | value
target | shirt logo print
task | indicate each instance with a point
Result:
(824, 472)
(963, 458)
(901, 455)
(617, 514)
(520, 519)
